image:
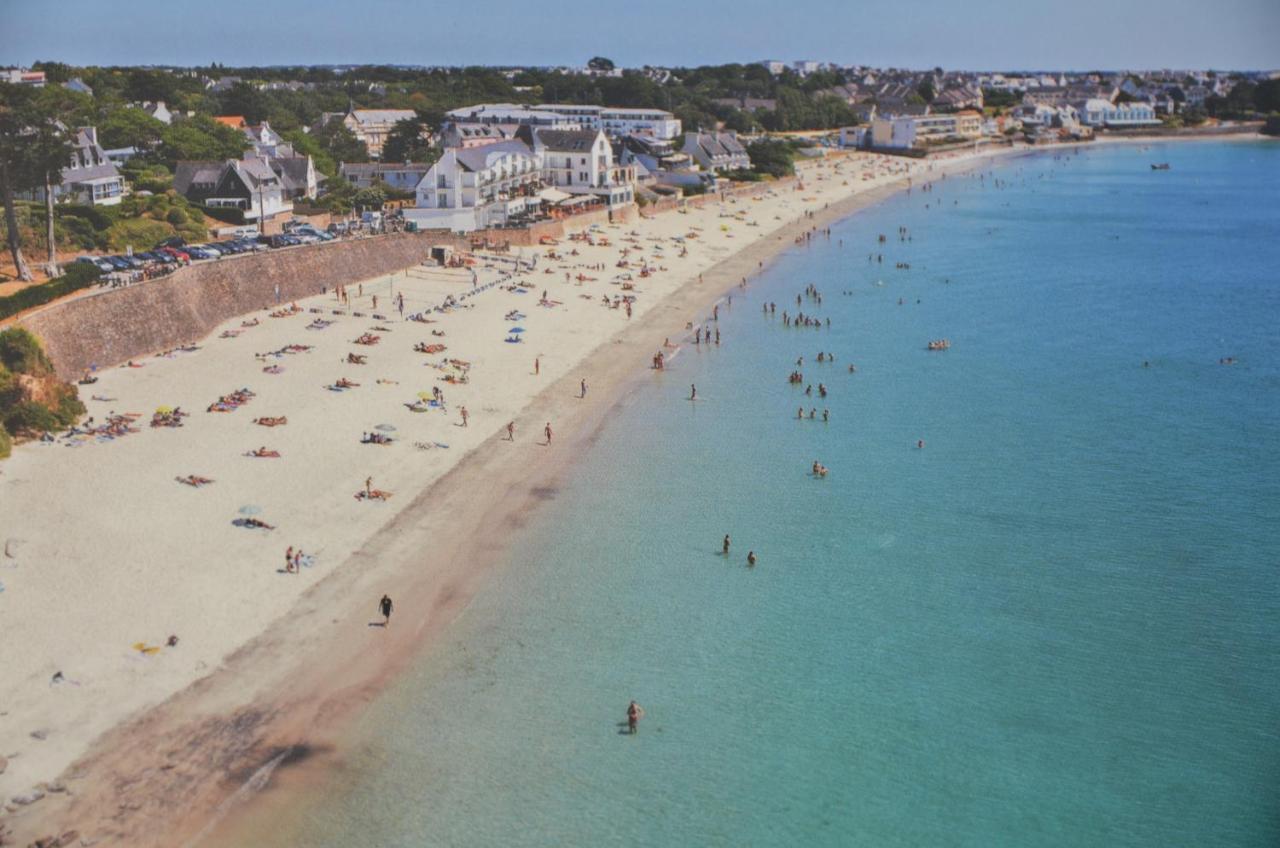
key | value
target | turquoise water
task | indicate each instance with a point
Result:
(1057, 624)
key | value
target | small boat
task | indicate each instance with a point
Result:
(1162, 166)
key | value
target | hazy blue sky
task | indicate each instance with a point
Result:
(961, 34)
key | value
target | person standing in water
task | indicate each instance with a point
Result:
(693, 392)
(635, 712)
(751, 558)
(384, 607)
(725, 548)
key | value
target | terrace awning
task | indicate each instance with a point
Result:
(553, 195)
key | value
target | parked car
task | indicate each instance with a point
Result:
(149, 256)
(179, 255)
(246, 232)
(172, 241)
(97, 262)
(197, 252)
(131, 261)
(308, 230)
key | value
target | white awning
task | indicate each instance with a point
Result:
(577, 200)
(553, 195)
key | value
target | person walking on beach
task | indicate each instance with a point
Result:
(582, 392)
(368, 487)
(537, 365)
(463, 411)
(384, 607)
(511, 431)
(635, 712)
(547, 432)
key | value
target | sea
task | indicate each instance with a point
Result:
(1057, 623)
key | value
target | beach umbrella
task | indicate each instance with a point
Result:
(516, 330)
(164, 410)
(425, 396)
(250, 509)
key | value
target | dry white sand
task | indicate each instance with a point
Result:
(105, 550)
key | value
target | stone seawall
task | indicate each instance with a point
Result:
(114, 326)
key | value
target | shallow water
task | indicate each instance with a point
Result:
(1057, 624)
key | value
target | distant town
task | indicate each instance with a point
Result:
(189, 154)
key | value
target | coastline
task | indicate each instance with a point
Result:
(178, 768)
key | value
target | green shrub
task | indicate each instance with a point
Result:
(76, 276)
(140, 233)
(6, 443)
(176, 217)
(20, 352)
(69, 408)
(101, 217)
(30, 417)
(226, 214)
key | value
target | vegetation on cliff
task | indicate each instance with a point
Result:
(32, 398)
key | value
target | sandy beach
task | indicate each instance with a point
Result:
(108, 728)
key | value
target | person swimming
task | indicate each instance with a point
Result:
(751, 558)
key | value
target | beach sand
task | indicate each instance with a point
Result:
(106, 555)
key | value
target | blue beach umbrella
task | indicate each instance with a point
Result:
(516, 330)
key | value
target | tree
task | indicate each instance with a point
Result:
(340, 143)
(772, 156)
(201, 137)
(369, 198)
(56, 107)
(244, 99)
(130, 127)
(926, 91)
(406, 143)
(600, 63)
(31, 148)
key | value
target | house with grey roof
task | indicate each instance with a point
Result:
(91, 177)
(716, 151)
(249, 184)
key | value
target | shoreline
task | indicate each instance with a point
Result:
(216, 743)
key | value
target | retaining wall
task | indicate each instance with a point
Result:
(113, 326)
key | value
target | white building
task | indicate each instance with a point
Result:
(581, 162)
(615, 121)
(1103, 113)
(478, 187)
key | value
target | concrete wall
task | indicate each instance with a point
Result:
(117, 325)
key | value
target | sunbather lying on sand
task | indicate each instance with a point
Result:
(253, 523)
(194, 481)
(264, 453)
(271, 421)
(355, 359)
(372, 495)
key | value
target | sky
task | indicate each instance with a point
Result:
(953, 34)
